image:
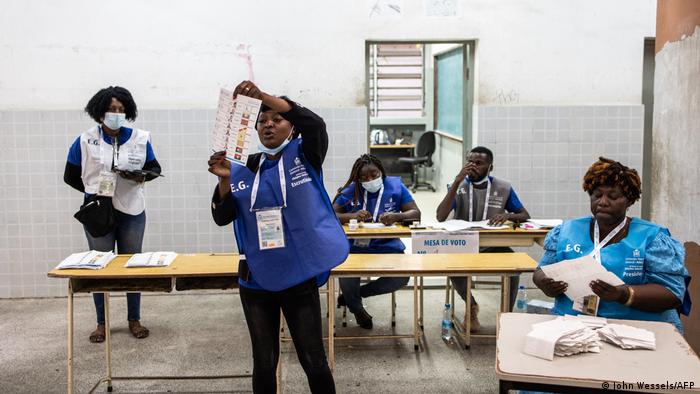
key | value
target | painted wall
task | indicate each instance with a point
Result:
(175, 54)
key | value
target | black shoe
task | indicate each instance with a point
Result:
(341, 301)
(363, 319)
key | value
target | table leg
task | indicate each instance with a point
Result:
(331, 324)
(505, 301)
(420, 315)
(108, 344)
(416, 337)
(70, 337)
(467, 315)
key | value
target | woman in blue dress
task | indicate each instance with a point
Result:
(641, 253)
(370, 195)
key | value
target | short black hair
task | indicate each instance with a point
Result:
(100, 102)
(484, 150)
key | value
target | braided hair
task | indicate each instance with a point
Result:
(607, 172)
(365, 159)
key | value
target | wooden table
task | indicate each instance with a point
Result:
(672, 361)
(421, 265)
(487, 238)
(188, 271)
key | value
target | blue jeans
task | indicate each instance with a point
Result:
(353, 293)
(129, 238)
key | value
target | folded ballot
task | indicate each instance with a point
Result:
(593, 322)
(93, 260)
(560, 337)
(628, 337)
(536, 224)
(151, 259)
(458, 225)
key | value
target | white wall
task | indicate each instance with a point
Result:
(175, 54)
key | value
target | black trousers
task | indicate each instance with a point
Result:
(302, 311)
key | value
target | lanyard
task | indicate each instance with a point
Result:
(486, 201)
(115, 153)
(597, 245)
(376, 207)
(256, 183)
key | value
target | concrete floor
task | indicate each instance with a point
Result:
(205, 333)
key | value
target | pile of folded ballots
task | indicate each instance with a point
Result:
(569, 335)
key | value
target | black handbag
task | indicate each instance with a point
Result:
(98, 216)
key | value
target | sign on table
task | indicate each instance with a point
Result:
(440, 242)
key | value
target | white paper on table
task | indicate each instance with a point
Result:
(458, 225)
(235, 125)
(628, 337)
(87, 260)
(546, 223)
(578, 273)
(542, 340)
(375, 225)
(151, 259)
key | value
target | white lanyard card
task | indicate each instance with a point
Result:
(270, 228)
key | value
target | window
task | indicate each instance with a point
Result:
(396, 80)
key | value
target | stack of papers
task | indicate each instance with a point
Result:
(458, 225)
(628, 337)
(151, 259)
(93, 260)
(578, 273)
(535, 224)
(375, 225)
(560, 337)
(593, 322)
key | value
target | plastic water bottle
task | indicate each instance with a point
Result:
(521, 301)
(446, 324)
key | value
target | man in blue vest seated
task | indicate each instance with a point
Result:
(476, 196)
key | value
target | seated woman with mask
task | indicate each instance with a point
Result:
(640, 253)
(370, 195)
(287, 230)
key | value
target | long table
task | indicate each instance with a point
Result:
(187, 272)
(421, 265)
(613, 370)
(487, 238)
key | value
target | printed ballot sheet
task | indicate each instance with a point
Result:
(235, 125)
(578, 273)
(459, 225)
(92, 259)
(151, 259)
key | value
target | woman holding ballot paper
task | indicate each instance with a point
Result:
(642, 254)
(110, 163)
(285, 226)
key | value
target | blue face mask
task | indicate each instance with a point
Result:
(114, 120)
(374, 185)
(273, 151)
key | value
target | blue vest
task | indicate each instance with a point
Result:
(391, 202)
(625, 259)
(313, 237)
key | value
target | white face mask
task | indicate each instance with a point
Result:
(274, 151)
(374, 185)
(114, 120)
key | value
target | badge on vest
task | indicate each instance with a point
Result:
(270, 228)
(107, 184)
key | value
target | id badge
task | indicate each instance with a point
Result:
(588, 305)
(107, 184)
(270, 229)
(361, 242)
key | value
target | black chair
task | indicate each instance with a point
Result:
(423, 158)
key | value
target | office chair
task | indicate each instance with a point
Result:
(423, 159)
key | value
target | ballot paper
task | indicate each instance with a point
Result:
(628, 337)
(151, 259)
(593, 322)
(560, 337)
(234, 126)
(536, 224)
(375, 225)
(578, 273)
(93, 260)
(458, 225)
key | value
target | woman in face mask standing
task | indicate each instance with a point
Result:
(101, 162)
(371, 196)
(286, 228)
